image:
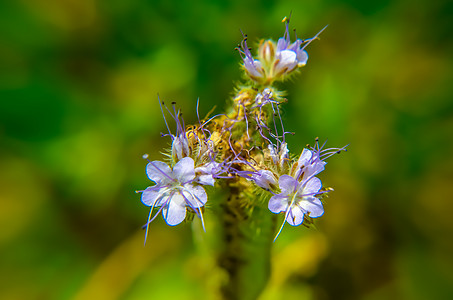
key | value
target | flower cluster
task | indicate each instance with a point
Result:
(179, 184)
(275, 61)
(243, 150)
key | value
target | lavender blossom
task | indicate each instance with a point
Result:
(275, 60)
(289, 55)
(264, 179)
(297, 199)
(252, 66)
(208, 172)
(309, 164)
(174, 191)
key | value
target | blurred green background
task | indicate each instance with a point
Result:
(78, 107)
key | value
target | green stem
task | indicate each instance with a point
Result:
(247, 235)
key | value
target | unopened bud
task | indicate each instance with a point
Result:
(266, 52)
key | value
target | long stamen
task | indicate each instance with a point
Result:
(150, 221)
(275, 124)
(199, 207)
(149, 217)
(287, 213)
(165, 119)
(308, 41)
(199, 121)
(202, 219)
(281, 123)
(246, 121)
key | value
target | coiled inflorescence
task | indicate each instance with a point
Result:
(245, 147)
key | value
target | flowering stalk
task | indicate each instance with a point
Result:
(244, 154)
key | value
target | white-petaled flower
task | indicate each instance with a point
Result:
(297, 199)
(253, 67)
(264, 179)
(309, 164)
(289, 55)
(299, 196)
(174, 191)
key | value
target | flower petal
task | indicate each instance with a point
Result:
(206, 180)
(316, 168)
(208, 168)
(287, 184)
(195, 195)
(302, 58)
(282, 44)
(184, 171)
(151, 195)
(278, 203)
(174, 212)
(295, 216)
(304, 158)
(180, 146)
(159, 172)
(264, 179)
(287, 61)
(206, 173)
(309, 163)
(312, 205)
(254, 67)
(312, 186)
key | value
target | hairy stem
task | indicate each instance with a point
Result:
(247, 234)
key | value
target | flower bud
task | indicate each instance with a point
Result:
(266, 52)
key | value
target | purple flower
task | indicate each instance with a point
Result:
(174, 190)
(297, 199)
(299, 194)
(309, 164)
(264, 178)
(207, 172)
(291, 55)
(252, 66)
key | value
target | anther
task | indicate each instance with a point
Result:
(145, 156)
(173, 102)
